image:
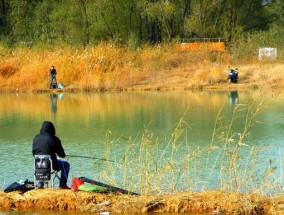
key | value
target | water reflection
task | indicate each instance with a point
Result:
(53, 102)
(234, 98)
(109, 124)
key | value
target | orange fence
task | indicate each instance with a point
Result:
(195, 46)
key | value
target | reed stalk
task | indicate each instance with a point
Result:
(152, 165)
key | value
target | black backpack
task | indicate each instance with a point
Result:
(22, 188)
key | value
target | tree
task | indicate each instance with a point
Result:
(83, 22)
(243, 16)
(3, 18)
(21, 20)
(42, 24)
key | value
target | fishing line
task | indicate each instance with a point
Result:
(89, 157)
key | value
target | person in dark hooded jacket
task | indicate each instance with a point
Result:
(47, 143)
(52, 75)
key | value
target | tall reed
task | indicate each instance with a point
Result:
(173, 163)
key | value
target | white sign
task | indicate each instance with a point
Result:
(268, 53)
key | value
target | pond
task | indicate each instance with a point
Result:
(152, 142)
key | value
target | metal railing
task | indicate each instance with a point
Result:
(188, 40)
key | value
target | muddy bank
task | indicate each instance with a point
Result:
(210, 201)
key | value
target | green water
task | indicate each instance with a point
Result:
(115, 125)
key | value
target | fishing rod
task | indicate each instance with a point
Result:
(88, 157)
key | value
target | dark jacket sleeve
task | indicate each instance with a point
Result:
(35, 147)
(58, 147)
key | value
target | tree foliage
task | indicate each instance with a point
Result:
(86, 22)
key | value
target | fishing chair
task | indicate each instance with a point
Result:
(44, 170)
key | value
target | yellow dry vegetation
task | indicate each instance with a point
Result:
(212, 202)
(110, 67)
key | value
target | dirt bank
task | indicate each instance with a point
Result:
(162, 87)
(210, 201)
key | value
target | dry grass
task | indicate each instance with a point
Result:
(212, 202)
(111, 67)
(263, 73)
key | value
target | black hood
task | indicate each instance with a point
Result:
(47, 128)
